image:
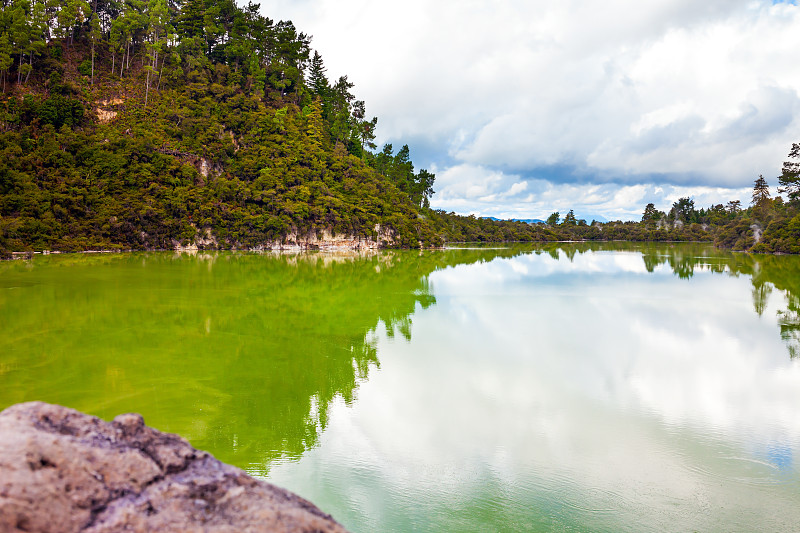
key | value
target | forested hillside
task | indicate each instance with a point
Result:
(145, 124)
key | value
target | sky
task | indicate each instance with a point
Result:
(526, 107)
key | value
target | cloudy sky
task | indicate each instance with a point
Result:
(525, 107)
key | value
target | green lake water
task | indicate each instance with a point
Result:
(612, 387)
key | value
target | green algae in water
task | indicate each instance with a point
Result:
(610, 387)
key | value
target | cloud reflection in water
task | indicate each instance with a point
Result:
(578, 392)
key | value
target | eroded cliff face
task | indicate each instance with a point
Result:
(296, 241)
(64, 471)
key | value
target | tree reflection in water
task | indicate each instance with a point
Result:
(243, 353)
(766, 272)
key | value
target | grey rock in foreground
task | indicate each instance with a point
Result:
(63, 471)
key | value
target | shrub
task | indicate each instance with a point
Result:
(85, 68)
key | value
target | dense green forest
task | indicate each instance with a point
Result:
(133, 124)
(150, 124)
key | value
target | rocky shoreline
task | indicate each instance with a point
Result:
(65, 471)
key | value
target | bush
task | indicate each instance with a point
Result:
(85, 68)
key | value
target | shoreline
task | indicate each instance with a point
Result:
(340, 247)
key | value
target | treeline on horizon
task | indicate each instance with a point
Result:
(145, 124)
(767, 225)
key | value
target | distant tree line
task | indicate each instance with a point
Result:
(767, 225)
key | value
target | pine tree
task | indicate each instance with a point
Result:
(71, 16)
(95, 34)
(158, 21)
(316, 76)
(5, 57)
(789, 179)
(733, 207)
(651, 215)
(190, 21)
(760, 191)
(20, 35)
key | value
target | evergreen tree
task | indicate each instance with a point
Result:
(95, 34)
(733, 207)
(20, 34)
(651, 215)
(760, 192)
(423, 189)
(190, 22)
(70, 17)
(683, 210)
(402, 173)
(789, 179)
(317, 81)
(339, 111)
(5, 57)
(157, 38)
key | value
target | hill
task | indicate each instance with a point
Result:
(133, 125)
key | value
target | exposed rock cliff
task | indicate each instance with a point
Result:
(64, 471)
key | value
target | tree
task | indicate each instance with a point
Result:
(363, 131)
(366, 133)
(553, 219)
(761, 198)
(733, 207)
(569, 219)
(39, 23)
(95, 34)
(383, 160)
(423, 188)
(789, 180)
(402, 173)
(5, 57)
(125, 30)
(651, 215)
(71, 16)
(760, 192)
(339, 116)
(157, 36)
(683, 210)
(190, 21)
(317, 81)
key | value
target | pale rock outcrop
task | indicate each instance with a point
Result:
(64, 471)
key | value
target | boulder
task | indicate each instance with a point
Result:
(63, 471)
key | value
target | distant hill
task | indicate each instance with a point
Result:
(596, 218)
(525, 220)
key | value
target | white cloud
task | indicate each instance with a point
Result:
(481, 191)
(697, 95)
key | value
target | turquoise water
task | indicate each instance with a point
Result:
(574, 387)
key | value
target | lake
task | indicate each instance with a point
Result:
(572, 387)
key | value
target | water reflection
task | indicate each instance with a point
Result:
(573, 388)
(240, 353)
(610, 387)
(765, 272)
